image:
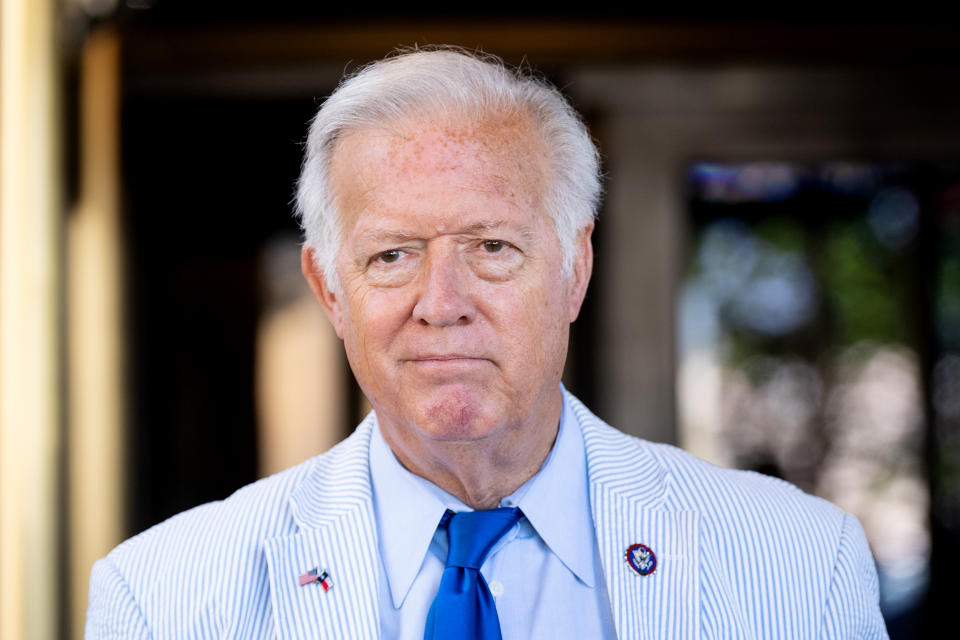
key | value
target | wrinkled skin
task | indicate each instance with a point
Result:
(454, 310)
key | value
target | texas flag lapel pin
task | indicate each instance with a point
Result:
(322, 577)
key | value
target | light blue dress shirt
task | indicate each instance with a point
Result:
(545, 573)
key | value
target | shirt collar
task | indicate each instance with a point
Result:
(409, 508)
(557, 504)
(408, 512)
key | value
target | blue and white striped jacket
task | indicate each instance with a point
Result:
(740, 555)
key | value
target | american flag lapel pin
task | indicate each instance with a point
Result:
(322, 577)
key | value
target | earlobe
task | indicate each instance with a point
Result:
(582, 270)
(329, 300)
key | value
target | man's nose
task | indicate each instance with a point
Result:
(445, 299)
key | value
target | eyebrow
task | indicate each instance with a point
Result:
(477, 228)
(380, 235)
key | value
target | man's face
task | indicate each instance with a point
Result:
(454, 312)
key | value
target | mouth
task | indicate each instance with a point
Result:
(446, 359)
(447, 362)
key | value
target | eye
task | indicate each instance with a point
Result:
(389, 256)
(495, 260)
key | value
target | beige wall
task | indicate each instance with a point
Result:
(30, 364)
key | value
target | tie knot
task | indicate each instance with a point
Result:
(473, 534)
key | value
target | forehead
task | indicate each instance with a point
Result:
(502, 139)
(500, 153)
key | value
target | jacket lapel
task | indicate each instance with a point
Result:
(629, 497)
(336, 531)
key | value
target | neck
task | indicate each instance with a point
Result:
(480, 473)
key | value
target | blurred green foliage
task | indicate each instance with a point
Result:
(855, 274)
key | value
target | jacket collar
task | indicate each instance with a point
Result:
(333, 510)
(339, 481)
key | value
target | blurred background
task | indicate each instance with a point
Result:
(777, 282)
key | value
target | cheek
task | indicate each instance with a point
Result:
(374, 319)
(540, 326)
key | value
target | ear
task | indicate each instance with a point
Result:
(582, 269)
(318, 284)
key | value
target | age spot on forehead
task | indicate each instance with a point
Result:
(505, 148)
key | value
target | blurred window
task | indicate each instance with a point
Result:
(819, 341)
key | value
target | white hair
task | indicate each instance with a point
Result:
(447, 81)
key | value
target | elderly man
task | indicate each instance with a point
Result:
(448, 206)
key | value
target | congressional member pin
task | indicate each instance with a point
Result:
(641, 559)
(317, 576)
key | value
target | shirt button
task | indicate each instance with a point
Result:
(496, 588)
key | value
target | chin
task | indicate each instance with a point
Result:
(457, 416)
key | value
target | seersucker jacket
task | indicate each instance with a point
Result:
(740, 555)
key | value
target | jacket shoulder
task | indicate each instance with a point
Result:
(699, 484)
(205, 567)
(791, 561)
(685, 482)
(773, 561)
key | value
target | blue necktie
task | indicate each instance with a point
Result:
(464, 608)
